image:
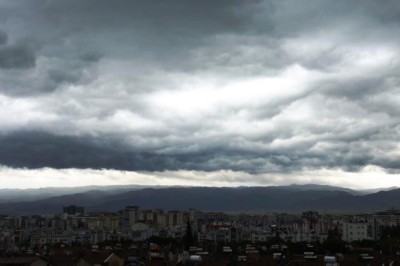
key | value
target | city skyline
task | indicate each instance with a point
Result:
(199, 93)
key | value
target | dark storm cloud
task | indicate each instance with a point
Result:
(17, 56)
(255, 86)
(38, 149)
(155, 26)
(37, 77)
(3, 37)
(91, 57)
(160, 32)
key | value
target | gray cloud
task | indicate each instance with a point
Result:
(17, 56)
(160, 34)
(91, 57)
(3, 37)
(254, 86)
(38, 149)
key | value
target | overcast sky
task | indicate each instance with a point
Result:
(203, 92)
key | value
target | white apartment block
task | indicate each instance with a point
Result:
(354, 231)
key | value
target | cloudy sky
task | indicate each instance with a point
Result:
(206, 92)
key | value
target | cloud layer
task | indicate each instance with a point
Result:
(256, 87)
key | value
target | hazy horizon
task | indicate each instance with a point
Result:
(199, 93)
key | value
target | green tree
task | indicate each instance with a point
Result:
(334, 243)
(189, 240)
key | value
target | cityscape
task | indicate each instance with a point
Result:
(199, 132)
(135, 236)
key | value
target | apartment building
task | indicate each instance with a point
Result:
(355, 231)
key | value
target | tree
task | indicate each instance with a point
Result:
(334, 243)
(189, 240)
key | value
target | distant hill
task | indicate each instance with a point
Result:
(243, 199)
(306, 187)
(15, 195)
(30, 194)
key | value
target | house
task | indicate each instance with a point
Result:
(99, 259)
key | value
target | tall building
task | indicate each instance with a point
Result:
(129, 216)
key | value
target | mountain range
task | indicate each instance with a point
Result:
(292, 198)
